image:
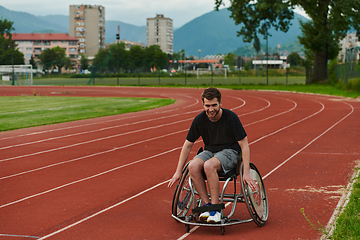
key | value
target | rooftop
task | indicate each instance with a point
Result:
(42, 36)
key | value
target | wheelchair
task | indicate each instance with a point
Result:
(187, 205)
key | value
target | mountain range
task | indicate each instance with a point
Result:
(211, 33)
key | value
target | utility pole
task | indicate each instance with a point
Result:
(117, 50)
(267, 60)
(12, 61)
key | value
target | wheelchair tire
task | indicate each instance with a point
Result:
(256, 202)
(182, 199)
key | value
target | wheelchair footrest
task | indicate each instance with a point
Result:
(212, 207)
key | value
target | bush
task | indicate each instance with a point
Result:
(354, 85)
(332, 73)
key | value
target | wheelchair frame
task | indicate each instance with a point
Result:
(186, 198)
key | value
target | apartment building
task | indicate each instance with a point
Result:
(351, 40)
(87, 24)
(32, 44)
(160, 32)
(128, 44)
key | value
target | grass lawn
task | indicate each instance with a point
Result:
(348, 223)
(30, 111)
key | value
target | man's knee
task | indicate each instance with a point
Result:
(212, 165)
(196, 166)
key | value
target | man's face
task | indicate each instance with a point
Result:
(212, 109)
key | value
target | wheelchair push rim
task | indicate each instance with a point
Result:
(183, 198)
(256, 201)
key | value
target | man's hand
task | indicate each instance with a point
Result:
(247, 179)
(175, 178)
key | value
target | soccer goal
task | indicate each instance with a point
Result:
(16, 74)
(208, 72)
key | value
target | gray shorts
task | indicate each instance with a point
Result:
(227, 157)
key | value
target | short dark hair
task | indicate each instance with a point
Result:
(211, 93)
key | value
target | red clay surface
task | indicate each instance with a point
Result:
(106, 178)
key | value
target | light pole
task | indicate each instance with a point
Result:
(267, 60)
(117, 50)
(12, 62)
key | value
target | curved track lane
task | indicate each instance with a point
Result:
(106, 178)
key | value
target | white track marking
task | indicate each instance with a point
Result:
(323, 133)
(102, 211)
(91, 141)
(87, 178)
(290, 125)
(13, 235)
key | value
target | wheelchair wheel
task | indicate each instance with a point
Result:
(256, 201)
(182, 199)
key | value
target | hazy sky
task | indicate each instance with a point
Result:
(129, 11)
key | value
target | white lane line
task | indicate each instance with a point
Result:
(13, 235)
(323, 133)
(87, 178)
(102, 211)
(94, 140)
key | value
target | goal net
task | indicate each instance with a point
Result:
(205, 72)
(16, 74)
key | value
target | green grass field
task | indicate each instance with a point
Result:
(30, 111)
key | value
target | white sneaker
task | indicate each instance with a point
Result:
(204, 216)
(214, 217)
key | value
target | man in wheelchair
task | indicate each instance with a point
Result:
(224, 138)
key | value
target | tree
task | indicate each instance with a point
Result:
(155, 57)
(60, 59)
(84, 62)
(136, 57)
(331, 19)
(47, 57)
(54, 57)
(8, 52)
(33, 62)
(257, 45)
(294, 59)
(230, 59)
(101, 60)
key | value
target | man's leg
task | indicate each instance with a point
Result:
(196, 168)
(211, 169)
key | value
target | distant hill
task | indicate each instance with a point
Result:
(286, 49)
(215, 32)
(212, 33)
(28, 23)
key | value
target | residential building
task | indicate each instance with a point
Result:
(128, 44)
(87, 24)
(160, 32)
(350, 41)
(32, 44)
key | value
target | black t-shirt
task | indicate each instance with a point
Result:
(222, 134)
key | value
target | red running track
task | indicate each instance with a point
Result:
(106, 178)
